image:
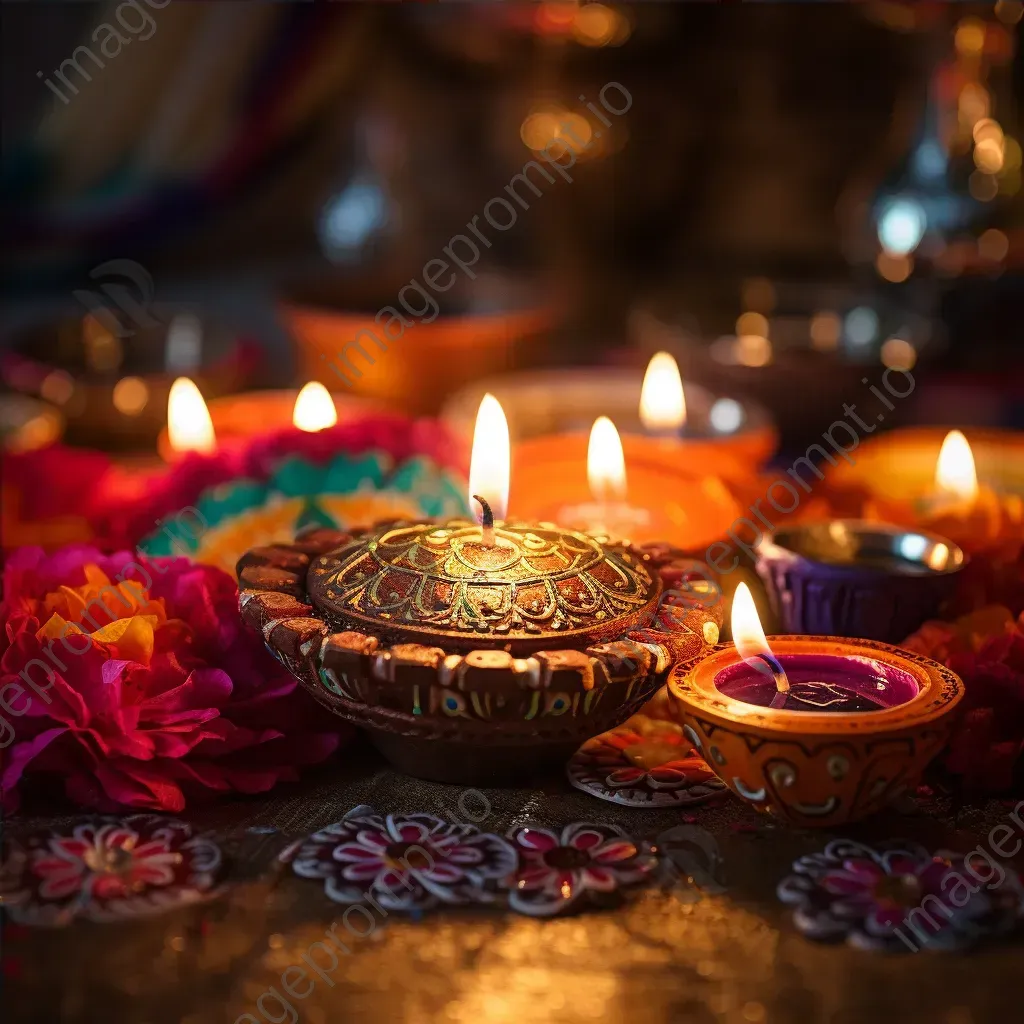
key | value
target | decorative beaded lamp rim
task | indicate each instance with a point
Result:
(555, 588)
(939, 690)
(273, 599)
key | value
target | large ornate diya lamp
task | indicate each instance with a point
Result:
(816, 731)
(478, 653)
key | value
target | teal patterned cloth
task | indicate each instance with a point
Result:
(348, 491)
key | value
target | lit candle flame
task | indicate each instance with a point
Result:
(662, 405)
(189, 427)
(314, 408)
(489, 463)
(606, 464)
(747, 634)
(955, 474)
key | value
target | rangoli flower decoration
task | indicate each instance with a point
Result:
(416, 862)
(559, 870)
(404, 862)
(390, 439)
(899, 898)
(986, 649)
(646, 762)
(107, 869)
(130, 682)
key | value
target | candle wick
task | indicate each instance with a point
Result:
(778, 672)
(486, 521)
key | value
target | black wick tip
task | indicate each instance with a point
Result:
(488, 515)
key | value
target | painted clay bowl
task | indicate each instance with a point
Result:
(849, 577)
(819, 768)
(473, 664)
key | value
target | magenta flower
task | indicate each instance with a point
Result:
(130, 681)
(557, 870)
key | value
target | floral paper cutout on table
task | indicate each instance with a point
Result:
(415, 862)
(107, 869)
(897, 897)
(646, 762)
(581, 862)
(405, 862)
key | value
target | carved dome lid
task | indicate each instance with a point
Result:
(537, 587)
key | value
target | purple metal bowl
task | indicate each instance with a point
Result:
(853, 578)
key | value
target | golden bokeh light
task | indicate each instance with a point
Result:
(988, 155)
(597, 25)
(987, 128)
(103, 351)
(898, 354)
(982, 187)
(57, 387)
(826, 329)
(974, 104)
(557, 128)
(970, 36)
(753, 350)
(130, 396)
(555, 16)
(894, 268)
(993, 245)
(752, 323)
(1009, 12)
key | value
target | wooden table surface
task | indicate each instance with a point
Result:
(673, 955)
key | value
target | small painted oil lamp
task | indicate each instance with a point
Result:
(609, 513)
(814, 730)
(231, 421)
(848, 577)
(475, 652)
(930, 480)
(688, 430)
(658, 502)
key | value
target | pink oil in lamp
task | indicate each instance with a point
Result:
(814, 730)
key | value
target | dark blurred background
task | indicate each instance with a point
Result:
(797, 192)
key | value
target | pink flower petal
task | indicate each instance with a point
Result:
(537, 839)
(361, 871)
(586, 839)
(614, 850)
(599, 879)
(358, 852)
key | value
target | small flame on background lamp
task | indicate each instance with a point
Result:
(606, 463)
(747, 633)
(189, 426)
(314, 408)
(662, 402)
(489, 463)
(955, 472)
